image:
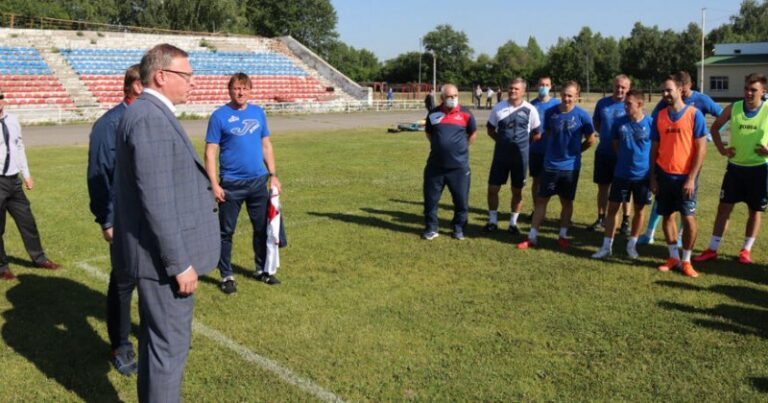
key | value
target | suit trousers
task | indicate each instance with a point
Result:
(119, 295)
(164, 338)
(14, 201)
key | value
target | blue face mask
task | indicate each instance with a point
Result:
(451, 103)
(543, 91)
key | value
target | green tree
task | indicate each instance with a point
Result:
(360, 65)
(483, 71)
(453, 53)
(647, 54)
(748, 26)
(405, 68)
(311, 22)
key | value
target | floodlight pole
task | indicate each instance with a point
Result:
(420, 54)
(701, 74)
(434, 70)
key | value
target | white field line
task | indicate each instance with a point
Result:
(222, 340)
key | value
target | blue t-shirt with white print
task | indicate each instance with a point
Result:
(238, 134)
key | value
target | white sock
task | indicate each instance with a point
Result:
(563, 232)
(607, 243)
(513, 219)
(714, 242)
(493, 216)
(532, 234)
(687, 255)
(748, 242)
(673, 252)
(649, 233)
(632, 242)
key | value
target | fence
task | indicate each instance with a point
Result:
(61, 115)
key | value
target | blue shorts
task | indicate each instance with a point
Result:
(515, 168)
(535, 164)
(622, 189)
(604, 167)
(670, 197)
(745, 184)
(561, 183)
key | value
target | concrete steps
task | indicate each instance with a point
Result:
(68, 78)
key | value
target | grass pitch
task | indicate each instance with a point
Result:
(369, 312)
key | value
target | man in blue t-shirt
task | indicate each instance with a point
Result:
(566, 126)
(513, 125)
(706, 106)
(450, 129)
(543, 103)
(631, 140)
(239, 130)
(607, 111)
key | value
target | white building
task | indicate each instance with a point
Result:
(724, 72)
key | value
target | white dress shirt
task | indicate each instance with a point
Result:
(18, 156)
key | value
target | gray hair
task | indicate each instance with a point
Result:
(519, 80)
(158, 58)
(445, 87)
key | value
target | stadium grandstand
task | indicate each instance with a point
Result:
(60, 75)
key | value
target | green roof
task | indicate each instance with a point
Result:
(735, 59)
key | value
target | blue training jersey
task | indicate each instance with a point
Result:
(633, 157)
(607, 111)
(565, 131)
(702, 102)
(238, 134)
(540, 147)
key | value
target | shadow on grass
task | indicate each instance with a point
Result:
(760, 384)
(21, 262)
(214, 277)
(47, 324)
(737, 319)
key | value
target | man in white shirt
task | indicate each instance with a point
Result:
(13, 161)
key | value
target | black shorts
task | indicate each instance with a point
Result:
(514, 166)
(561, 183)
(670, 197)
(622, 189)
(604, 167)
(535, 164)
(745, 184)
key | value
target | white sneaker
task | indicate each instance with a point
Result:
(632, 253)
(602, 253)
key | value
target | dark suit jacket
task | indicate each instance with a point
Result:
(165, 214)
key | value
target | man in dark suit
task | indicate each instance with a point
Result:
(101, 166)
(166, 229)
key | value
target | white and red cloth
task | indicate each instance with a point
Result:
(272, 261)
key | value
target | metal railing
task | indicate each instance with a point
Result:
(55, 114)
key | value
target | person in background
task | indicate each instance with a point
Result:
(238, 134)
(607, 111)
(13, 160)
(543, 103)
(513, 125)
(101, 167)
(706, 106)
(569, 133)
(450, 129)
(678, 145)
(746, 175)
(631, 138)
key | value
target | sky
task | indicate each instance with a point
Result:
(391, 27)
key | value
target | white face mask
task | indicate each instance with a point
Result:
(451, 103)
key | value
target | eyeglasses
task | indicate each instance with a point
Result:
(186, 76)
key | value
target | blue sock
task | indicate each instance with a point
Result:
(653, 221)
